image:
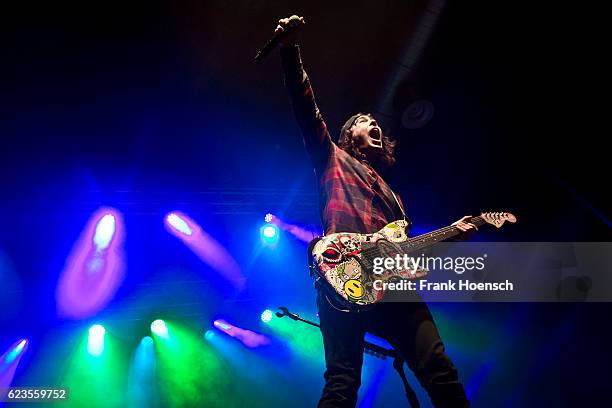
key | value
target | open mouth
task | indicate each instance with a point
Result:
(375, 133)
(375, 137)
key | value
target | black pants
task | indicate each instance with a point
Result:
(409, 328)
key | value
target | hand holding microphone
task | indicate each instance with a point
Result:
(290, 27)
(285, 34)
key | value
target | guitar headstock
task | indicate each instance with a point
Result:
(498, 218)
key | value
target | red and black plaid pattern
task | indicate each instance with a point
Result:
(354, 198)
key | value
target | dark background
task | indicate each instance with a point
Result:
(150, 107)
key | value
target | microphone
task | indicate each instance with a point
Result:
(276, 39)
(283, 312)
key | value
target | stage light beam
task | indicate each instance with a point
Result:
(266, 316)
(209, 334)
(274, 224)
(269, 231)
(9, 361)
(179, 224)
(269, 234)
(95, 267)
(204, 246)
(20, 346)
(16, 351)
(159, 328)
(105, 230)
(146, 341)
(95, 340)
(222, 326)
(247, 337)
(141, 381)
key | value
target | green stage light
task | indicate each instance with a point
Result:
(266, 316)
(95, 340)
(159, 328)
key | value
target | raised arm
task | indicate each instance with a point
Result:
(314, 130)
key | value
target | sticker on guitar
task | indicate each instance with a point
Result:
(345, 260)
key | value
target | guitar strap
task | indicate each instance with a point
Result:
(401, 209)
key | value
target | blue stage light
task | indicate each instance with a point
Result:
(269, 234)
(270, 231)
(209, 334)
(146, 341)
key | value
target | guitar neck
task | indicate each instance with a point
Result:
(438, 235)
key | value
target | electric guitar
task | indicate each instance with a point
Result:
(345, 261)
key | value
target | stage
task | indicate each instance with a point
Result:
(157, 200)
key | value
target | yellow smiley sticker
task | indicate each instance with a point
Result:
(353, 289)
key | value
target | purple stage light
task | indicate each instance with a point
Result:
(179, 224)
(300, 233)
(204, 246)
(94, 270)
(105, 231)
(247, 337)
(21, 346)
(222, 325)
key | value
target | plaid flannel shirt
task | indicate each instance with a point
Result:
(353, 196)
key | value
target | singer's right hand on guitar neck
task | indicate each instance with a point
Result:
(293, 24)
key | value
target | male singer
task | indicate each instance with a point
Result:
(355, 198)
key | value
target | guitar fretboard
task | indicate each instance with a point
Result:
(438, 235)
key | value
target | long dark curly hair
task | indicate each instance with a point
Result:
(346, 143)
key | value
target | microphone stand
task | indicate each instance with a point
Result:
(368, 348)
